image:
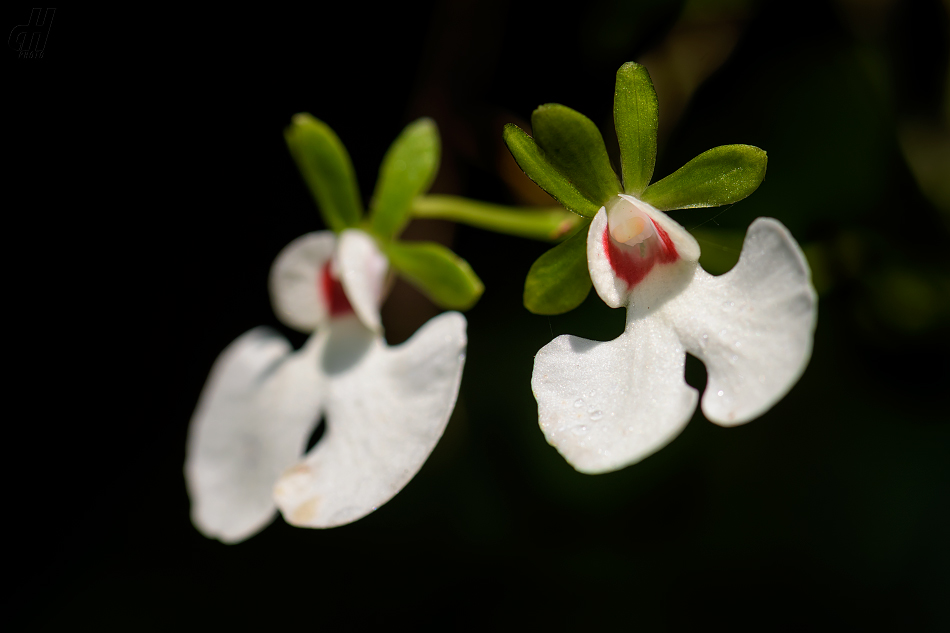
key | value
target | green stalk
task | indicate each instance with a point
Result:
(547, 224)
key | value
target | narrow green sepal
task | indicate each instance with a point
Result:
(326, 168)
(442, 275)
(722, 175)
(533, 162)
(635, 118)
(408, 170)
(573, 145)
(559, 280)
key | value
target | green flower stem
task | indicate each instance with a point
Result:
(547, 224)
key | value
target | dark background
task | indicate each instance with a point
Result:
(148, 190)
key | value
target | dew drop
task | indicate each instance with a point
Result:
(579, 403)
(580, 430)
(720, 393)
(596, 415)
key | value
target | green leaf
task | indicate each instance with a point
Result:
(722, 175)
(573, 145)
(327, 170)
(408, 170)
(533, 162)
(547, 223)
(635, 117)
(442, 275)
(559, 280)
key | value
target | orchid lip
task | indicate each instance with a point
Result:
(385, 406)
(606, 405)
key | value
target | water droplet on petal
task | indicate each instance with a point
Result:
(579, 403)
(596, 415)
(580, 430)
(719, 393)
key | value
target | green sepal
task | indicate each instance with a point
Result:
(722, 175)
(635, 118)
(326, 168)
(533, 162)
(573, 145)
(442, 275)
(408, 169)
(559, 280)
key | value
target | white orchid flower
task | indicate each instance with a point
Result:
(606, 405)
(385, 407)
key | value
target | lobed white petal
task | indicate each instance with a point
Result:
(295, 282)
(387, 408)
(258, 408)
(361, 268)
(606, 405)
(752, 327)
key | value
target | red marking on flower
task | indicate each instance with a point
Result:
(667, 254)
(632, 265)
(333, 292)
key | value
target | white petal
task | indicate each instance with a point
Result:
(662, 282)
(295, 282)
(386, 410)
(253, 419)
(611, 288)
(607, 405)
(752, 327)
(362, 268)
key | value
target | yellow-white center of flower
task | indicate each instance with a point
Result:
(628, 224)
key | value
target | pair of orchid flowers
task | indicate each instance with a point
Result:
(603, 405)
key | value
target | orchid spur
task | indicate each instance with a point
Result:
(385, 407)
(606, 405)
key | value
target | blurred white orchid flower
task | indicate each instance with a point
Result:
(385, 407)
(606, 405)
